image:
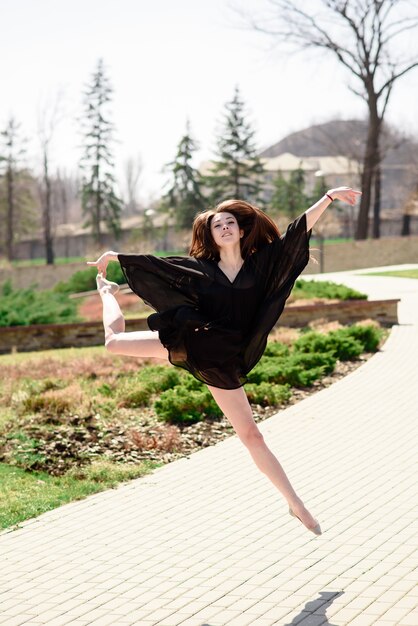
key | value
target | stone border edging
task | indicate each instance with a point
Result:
(83, 334)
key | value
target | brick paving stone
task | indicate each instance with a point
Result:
(207, 539)
(363, 620)
(411, 619)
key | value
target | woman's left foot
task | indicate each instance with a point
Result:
(302, 514)
(106, 286)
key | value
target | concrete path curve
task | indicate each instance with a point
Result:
(207, 540)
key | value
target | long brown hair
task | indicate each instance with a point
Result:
(258, 228)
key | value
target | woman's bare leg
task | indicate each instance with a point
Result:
(235, 406)
(141, 343)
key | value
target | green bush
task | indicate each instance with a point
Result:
(268, 394)
(275, 348)
(149, 380)
(85, 280)
(344, 343)
(297, 370)
(325, 289)
(159, 377)
(137, 397)
(181, 405)
(369, 336)
(22, 307)
(341, 345)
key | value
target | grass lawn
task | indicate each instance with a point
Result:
(316, 242)
(28, 494)
(400, 273)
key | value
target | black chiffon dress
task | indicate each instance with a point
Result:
(212, 327)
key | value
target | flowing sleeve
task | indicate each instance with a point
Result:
(295, 247)
(163, 283)
(282, 260)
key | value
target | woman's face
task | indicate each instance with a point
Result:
(225, 230)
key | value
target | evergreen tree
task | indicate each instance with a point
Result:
(17, 198)
(185, 195)
(280, 191)
(99, 199)
(237, 170)
(289, 196)
(319, 190)
(297, 199)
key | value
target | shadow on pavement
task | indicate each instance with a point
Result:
(319, 605)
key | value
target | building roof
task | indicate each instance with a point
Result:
(287, 162)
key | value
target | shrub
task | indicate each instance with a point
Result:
(85, 280)
(276, 348)
(140, 396)
(369, 336)
(26, 452)
(22, 307)
(159, 377)
(344, 343)
(325, 289)
(267, 394)
(54, 403)
(184, 406)
(340, 344)
(149, 380)
(297, 370)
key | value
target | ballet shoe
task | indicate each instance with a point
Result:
(316, 530)
(106, 286)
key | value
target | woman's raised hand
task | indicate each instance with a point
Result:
(345, 194)
(103, 261)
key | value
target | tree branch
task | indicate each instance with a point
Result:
(395, 77)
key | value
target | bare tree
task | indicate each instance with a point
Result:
(133, 167)
(390, 139)
(360, 34)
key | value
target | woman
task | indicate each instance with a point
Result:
(215, 309)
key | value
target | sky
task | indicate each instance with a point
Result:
(168, 61)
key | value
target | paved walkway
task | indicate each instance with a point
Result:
(207, 540)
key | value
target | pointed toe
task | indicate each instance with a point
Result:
(316, 530)
(106, 286)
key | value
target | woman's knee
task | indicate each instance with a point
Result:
(252, 437)
(111, 344)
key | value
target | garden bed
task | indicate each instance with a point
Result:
(80, 421)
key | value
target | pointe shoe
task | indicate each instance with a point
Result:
(106, 286)
(316, 530)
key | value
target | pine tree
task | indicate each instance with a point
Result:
(289, 196)
(280, 191)
(237, 171)
(99, 199)
(17, 199)
(185, 195)
(297, 199)
(319, 190)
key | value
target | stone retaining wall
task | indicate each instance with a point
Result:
(50, 336)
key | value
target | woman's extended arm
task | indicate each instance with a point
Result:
(102, 261)
(345, 194)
